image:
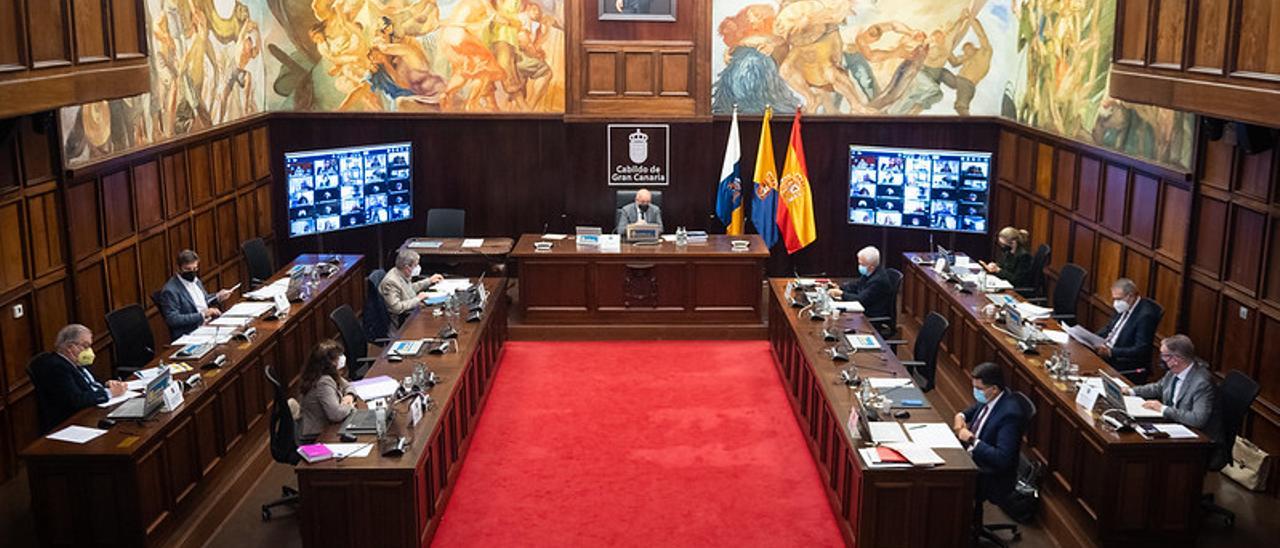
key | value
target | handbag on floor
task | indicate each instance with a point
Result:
(1023, 503)
(1250, 466)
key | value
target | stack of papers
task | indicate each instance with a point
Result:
(425, 244)
(472, 243)
(848, 306)
(128, 395)
(917, 454)
(449, 285)
(872, 457)
(886, 431)
(1001, 299)
(887, 382)
(1033, 312)
(375, 388)
(269, 292)
(936, 435)
(248, 310)
(76, 434)
(862, 341)
(1176, 431)
(233, 322)
(347, 450)
(204, 335)
(1085, 336)
(554, 237)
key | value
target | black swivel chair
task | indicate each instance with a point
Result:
(624, 197)
(1038, 262)
(284, 442)
(257, 260)
(1236, 394)
(354, 342)
(446, 223)
(923, 364)
(888, 325)
(1066, 294)
(988, 531)
(375, 318)
(132, 344)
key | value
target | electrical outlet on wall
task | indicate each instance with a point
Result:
(18, 312)
(1244, 313)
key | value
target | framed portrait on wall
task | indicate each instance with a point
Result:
(638, 10)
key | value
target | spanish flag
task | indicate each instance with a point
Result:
(795, 206)
(729, 205)
(764, 199)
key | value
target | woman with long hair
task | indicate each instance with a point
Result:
(1013, 264)
(327, 398)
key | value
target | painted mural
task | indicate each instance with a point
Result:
(206, 69)
(417, 55)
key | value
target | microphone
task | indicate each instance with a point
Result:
(1138, 370)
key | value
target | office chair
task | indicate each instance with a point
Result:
(988, 531)
(257, 261)
(284, 442)
(375, 318)
(132, 344)
(446, 223)
(1038, 262)
(888, 325)
(1066, 294)
(923, 364)
(1237, 393)
(624, 197)
(355, 344)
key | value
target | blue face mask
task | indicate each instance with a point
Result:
(862, 269)
(980, 396)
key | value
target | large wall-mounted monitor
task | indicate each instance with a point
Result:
(916, 188)
(343, 188)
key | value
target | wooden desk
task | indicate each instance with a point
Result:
(700, 284)
(390, 502)
(492, 256)
(1100, 487)
(136, 484)
(925, 507)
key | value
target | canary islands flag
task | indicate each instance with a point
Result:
(795, 208)
(729, 205)
(765, 198)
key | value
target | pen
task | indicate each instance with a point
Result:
(916, 426)
(357, 450)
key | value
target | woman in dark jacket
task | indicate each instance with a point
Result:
(1013, 264)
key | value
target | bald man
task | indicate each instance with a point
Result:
(642, 210)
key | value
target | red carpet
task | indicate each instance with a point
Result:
(638, 444)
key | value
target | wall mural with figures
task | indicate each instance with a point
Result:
(1042, 62)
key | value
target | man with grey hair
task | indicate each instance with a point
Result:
(642, 210)
(62, 380)
(398, 289)
(1130, 335)
(1186, 393)
(183, 301)
(872, 288)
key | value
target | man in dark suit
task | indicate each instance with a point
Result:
(62, 379)
(1131, 332)
(642, 210)
(183, 301)
(872, 288)
(1186, 393)
(991, 429)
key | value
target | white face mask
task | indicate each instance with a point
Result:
(342, 362)
(417, 270)
(1120, 305)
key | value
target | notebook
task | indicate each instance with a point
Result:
(315, 452)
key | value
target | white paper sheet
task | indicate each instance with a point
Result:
(248, 309)
(1085, 336)
(349, 450)
(426, 244)
(936, 435)
(1058, 337)
(872, 459)
(1176, 431)
(269, 292)
(231, 322)
(205, 334)
(886, 431)
(887, 382)
(848, 306)
(137, 384)
(1133, 406)
(449, 285)
(554, 237)
(1033, 312)
(376, 387)
(918, 454)
(128, 395)
(472, 243)
(862, 341)
(76, 434)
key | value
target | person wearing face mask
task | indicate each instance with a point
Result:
(1129, 336)
(872, 288)
(184, 302)
(1014, 262)
(398, 289)
(1186, 393)
(62, 380)
(643, 210)
(991, 430)
(327, 397)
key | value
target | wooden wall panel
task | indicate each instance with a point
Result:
(91, 297)
(1089, 185)
(13, 271)
(241, 162)
(221, 167)
(146, 195)
(1268, 371)
(228, 244)
(52, 45)
(52, 308)
(1209, 45)
(1259, 47)
(117, 207)
(1108, 267)
(1132, 23)
(45, 228)
(92, 34)
(1168, 292)
(200, 174)
(82, 205)
(1114, 194)
(205, 237)
(1244, 259)
(39, 160)
(17, 343)
(1254, 179)
(261, 153)
(1175, 217)
(1210, 235)
(1065, 183)
(1236, 337)
(173, 169)
(13, 47)
(1271, 283)
(128, 40)
(1044, 170)
(156, 263)
(1142, 209)
(1171, 25)
(123, 278)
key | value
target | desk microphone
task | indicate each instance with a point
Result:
(1128, 371)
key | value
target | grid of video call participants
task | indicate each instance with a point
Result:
(919, 188)
(340, 189)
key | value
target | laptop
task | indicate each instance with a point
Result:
(1113, 395)
(642, 232)
(1013, 321)
(364, 422)
(151, 402)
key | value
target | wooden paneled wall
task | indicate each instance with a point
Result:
(1216, 57)
(55, 53)
(75, 245)
(638, 68)
(1208, 250)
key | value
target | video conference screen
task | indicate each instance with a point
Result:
(346, 188)
(913, 188)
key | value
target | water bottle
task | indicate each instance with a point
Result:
(381, 416)
(682, 237)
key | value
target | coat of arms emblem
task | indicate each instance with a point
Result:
(639, 150)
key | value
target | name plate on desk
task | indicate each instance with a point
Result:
(1087, 396)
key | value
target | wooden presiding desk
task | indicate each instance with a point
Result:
(138, 483)
(698, 284)
(492, 254)
(1100, 487)
(398, 501)
(924, 507)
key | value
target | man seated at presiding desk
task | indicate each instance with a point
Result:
(63, 382)
(184, 302)
(991, 429)
(398, 289)
(872, 288)
(1186, 393)
(1130, 333)
(642, 210)
(327, 398)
